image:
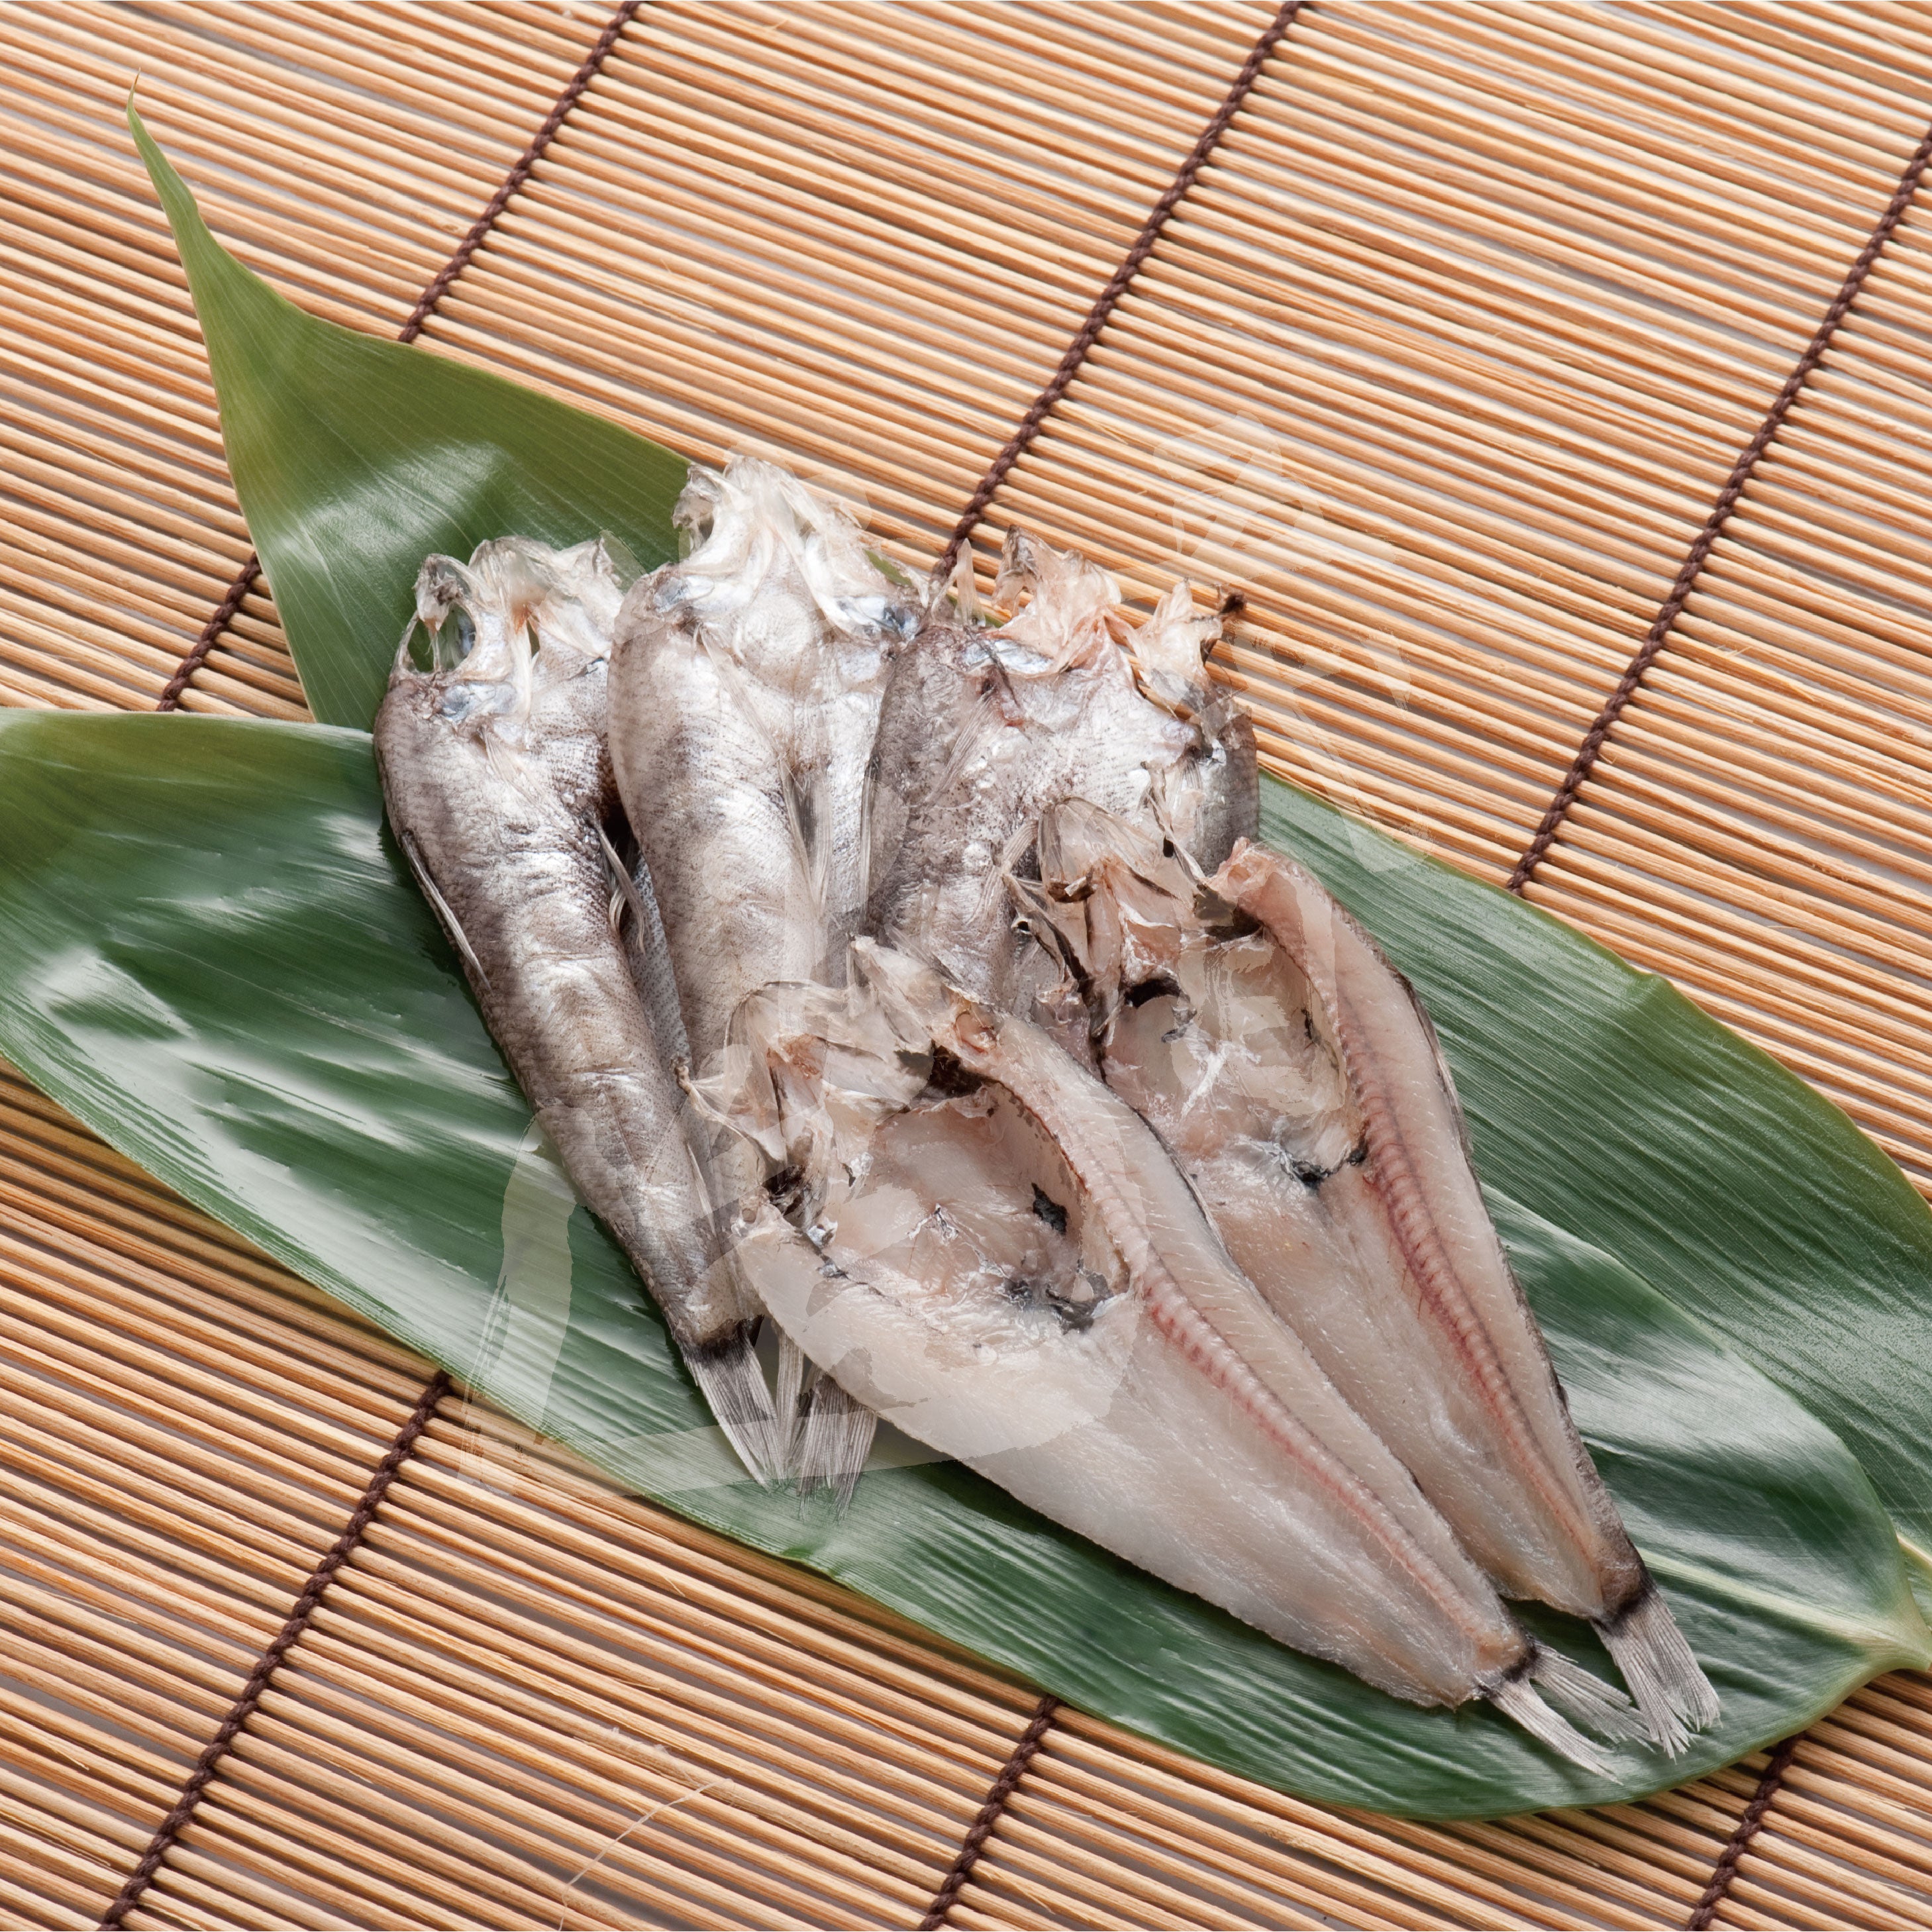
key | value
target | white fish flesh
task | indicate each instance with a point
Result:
(1293, 1074)
(984, 1244)
(500, 793)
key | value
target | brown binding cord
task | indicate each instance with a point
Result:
(989, 1814)
(1704, 1913)
(1727, 500)
(225, 611)
(1131, 263)
(168, 1833)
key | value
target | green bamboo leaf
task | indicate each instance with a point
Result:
(210, 951)
(355, 458)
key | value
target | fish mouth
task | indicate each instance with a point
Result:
(753, 532)
(517, 618)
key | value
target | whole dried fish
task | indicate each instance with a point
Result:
(499, 791)
(981, 730)
(745, 691)
(983, 1243)
(1294, 1076)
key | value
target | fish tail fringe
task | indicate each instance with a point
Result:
(1585, 1699)
(1670, 1688)
(836, 1438)
(791, 1402)
(729, 1378)
(1516, 1697)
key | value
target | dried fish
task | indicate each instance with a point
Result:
(1294, 1076)
(745, 691)
(981, 730)
(981, 1242)
(500, 791)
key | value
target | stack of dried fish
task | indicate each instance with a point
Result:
(915, 983)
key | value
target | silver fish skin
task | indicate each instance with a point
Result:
(745, 688)
(498, 787)
(990, 1248)
(1292, 1073)
(981, 730)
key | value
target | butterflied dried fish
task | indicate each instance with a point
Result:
(982, 1243)
(1294, 1076)
(982, 729)
(498, 788)
(744, 690)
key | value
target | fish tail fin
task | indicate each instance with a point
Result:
(729, 1378)
(835, 1439)
(1670, 1688)
(1516, 1697)
(1586, 1698)
(791, 1402)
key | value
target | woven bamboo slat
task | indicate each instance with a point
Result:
(1759, 827)
(344, 177)
(1443, 364)
(1442, 359)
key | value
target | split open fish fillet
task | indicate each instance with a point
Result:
(1290, 1070)
(983, 1243)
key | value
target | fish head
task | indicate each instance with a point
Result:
(1170, 650)
(925, 1010)
(778, 574)
(940, 1257)
(804, 1074)
(1116, 896)
(1061, 605)
(515, 624)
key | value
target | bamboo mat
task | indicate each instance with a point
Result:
(1487, 347)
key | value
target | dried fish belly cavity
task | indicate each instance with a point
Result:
(982, 1243)
(499, 789)
(1290, 1070)
(981, 730)
(744, 690)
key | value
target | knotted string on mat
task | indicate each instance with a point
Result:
(217, 1747)
(1704, 1912)
(989, 1814)
(225, 612)
(1117, 284)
